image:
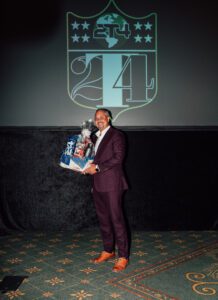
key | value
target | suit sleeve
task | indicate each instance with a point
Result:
(117, 155)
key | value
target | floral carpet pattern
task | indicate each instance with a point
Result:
(173, 265)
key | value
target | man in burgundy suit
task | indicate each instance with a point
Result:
(108, 187)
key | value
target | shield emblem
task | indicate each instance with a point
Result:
(112, 60)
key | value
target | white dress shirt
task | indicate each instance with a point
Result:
(100, 135)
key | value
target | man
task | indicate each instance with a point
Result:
(108, 187)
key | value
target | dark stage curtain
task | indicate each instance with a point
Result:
(172, 175)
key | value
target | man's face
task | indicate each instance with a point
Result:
(101, 120)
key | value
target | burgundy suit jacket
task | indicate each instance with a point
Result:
(109, 158)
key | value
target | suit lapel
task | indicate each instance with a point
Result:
(104, 142)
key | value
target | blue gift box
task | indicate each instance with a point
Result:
(71, 158)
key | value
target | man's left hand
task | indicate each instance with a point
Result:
(90, 170)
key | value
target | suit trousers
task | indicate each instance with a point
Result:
(111, 220)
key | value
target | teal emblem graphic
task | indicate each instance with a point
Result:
(112, 60)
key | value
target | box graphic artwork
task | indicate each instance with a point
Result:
(79, 152)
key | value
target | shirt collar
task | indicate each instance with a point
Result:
(103, 131)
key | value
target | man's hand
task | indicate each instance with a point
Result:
(90, 170)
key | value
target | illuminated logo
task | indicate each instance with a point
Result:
(112, 60)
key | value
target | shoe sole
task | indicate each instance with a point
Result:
(96, 262)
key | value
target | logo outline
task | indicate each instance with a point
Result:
(110, 3)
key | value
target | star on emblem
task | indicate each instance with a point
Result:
(138, 26)
(75, 38)
(138, 38)
(85, 38)
(75, 25)
(85, 25)
(148, 38)
(148, 26)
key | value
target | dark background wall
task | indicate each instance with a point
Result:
(172, 176)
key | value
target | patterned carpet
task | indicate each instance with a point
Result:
(179, 265)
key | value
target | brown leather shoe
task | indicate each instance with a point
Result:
(120, 264)
(103, 257)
